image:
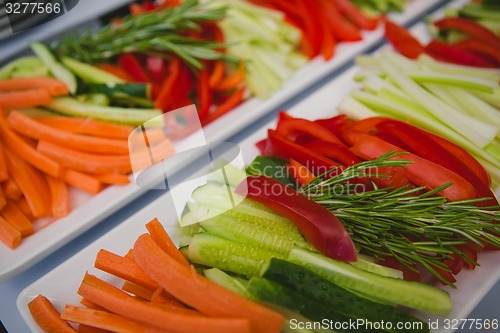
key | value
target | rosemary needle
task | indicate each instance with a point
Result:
(156, 33)
(414, 225)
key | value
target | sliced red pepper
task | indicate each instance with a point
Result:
(203, 94)
(423, 146)
(300, 173)
(457, 55)
(262, 146)
(311, 19)
(234, 80)
(164, 99)
(393, 177)
(292, 128)
(156, 67)
(469, 27)
(480, 47)
(225, 107)
(335, 152)
(355, 15)
(133, 67)
(329, 42)
(402, 40)
(148, 6)
(318, 225)
(218, 70)
(335, 124)
(342, 29)
(279, 146)
(421, 172)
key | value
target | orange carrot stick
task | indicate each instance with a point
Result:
(198, 292)
(89, 329)
(172, 319)
(113, 179)
(52, 86)
(232, 81)
(36, 130)
(25, 151)
(4, 174)
(12, 191)
(15, 217)
(24, 98)
(60, 197)
(163, 240)
(47, 317)
(3, 199)
(91, 305)
(160, 296)
(217, 73)
(82, 181)
(25, 208)
(88, 126)
(123, 268)
(137, 290)
(105, 320)
(31, 183)
(9, 235)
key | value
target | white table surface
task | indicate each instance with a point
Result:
(87, 10)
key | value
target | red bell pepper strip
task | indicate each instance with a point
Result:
(335, 124)
(355, 15)
(217, 73)
(300, 173)
(402, 40)
(292, 128)
(225, 107)
(234, 80)
(156, 67)
(329, 42)
(135, 9)
(164, 99)
(335, 152)
(318, 225)
(203, 94)
(421, 172)
(480, 47)
(342, 29)
(469, 27)
(457, 55)
(132, 66)
(311, 19)
(279, 146)
(423, 146)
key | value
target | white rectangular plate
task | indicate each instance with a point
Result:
(61, 284)
(88, 211)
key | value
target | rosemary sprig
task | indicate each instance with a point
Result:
(153, 33)
(413, 225)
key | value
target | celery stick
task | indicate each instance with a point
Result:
(489, 74)
(478, 132)
(354, 109)
(403, 100)
(456, 80)
(476, 106)
(440, 92)
(492, 99)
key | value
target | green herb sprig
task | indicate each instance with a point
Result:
(154, 33)
(413, 225)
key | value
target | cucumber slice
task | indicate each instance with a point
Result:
(238, 258)
(377, 269)
(59, 71)
(411, 294)
(336, 298)
(225, 280)
(89, 73)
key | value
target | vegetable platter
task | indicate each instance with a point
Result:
(89, 210)
(60, 285)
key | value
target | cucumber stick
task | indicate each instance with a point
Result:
(336, 298)
(58, 70)
(225, 280)
(229, 256)
(411, 294)
(89, 73)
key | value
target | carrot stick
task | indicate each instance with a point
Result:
(91, 305)
(24, 98)
(113, 179)
(88, 126)
(82, 181)
(200, 293)
(160, 296)
(123, 268)
(162, 239)
(12, 191)
(31, 183)
(25, 208)
(3, 199)
(36, 130)
(85, 162)
(9, 235)
(217, 73)
(4, 174)
(137, 290)
(52, 86)
(89, 329)
(232, 81)
(172, 319)
(15, 217)
(227, 106)
(47, 317)
(60, 197)
(25, 151)
(105, 320)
